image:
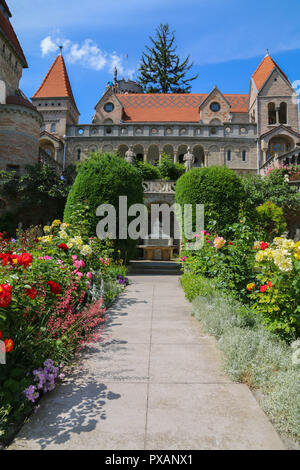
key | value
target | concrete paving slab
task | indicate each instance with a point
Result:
(205, 417)
(153, 381)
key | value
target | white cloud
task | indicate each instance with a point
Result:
(88, 54)
(47, 46)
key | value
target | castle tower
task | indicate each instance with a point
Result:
(55, 101)
(273, 105)
(19, 120)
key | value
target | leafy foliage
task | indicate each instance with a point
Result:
(219, 189)
(161, 70)
(101, 180)
(272, 187)
(39, 195)
(271, 221)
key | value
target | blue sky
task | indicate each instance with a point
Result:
(226, 40)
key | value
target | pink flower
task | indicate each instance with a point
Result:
(203, 231)
(106, 261)
(196, 236)
(183, 259)
(79, 264)
(74, 257)
(59, 261)
(79, 274)
(101, 260)
(89, 275)
(219, 242)
(47, 257)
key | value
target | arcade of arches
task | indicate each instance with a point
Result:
(153, 153)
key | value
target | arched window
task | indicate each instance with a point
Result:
(229, 155)
(53, 127)
(244, 155)
(283, 113)
(272, 113)
(78, 154)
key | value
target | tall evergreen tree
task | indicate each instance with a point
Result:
(161, 70)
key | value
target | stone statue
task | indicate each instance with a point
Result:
(130, 155)
(188, 159)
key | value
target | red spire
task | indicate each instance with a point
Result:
(56, 84)
(264, 70)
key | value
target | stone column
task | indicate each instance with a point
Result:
(265, 152)
(206, 154)
(277, 114)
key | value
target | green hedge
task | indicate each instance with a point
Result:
(101, 180)
(218, 188)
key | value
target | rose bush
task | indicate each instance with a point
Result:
(53, 293)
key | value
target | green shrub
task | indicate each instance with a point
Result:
(147, 171)
(271, 221)
(8, 223)
(170, 170)
(194, 285)
(101, 180)
(219, 189)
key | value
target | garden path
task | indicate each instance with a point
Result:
(154, 382)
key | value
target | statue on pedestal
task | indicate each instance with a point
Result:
(188, 159)
(130, 155)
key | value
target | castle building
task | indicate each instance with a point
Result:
(242, 131)
(20, 123)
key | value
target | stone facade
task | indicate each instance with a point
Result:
(233, 130)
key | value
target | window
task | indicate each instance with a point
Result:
(108, 130)
(244, 155)
(271, 113)
(109, 107)
(228, 155)
(283, 113)
(53, 127)
(15, 168)
(215, 107)
(78, 154)
(213, 130)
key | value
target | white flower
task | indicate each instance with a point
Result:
(86, 250)
(296, 357)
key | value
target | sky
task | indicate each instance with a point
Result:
(226, 40)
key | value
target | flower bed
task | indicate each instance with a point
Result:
(247, 294)
(54, 291)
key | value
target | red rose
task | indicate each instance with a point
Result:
(63, 246)
(54, 287)
(230, 243)
(269, 284)
(25, 259)
(5, 295)
(9, 345)
(264, 245)
(32, 293)
(263, 288)
(0, 334)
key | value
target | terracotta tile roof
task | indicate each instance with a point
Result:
(171, 107)
(8, 32)
(20, 101)
(5, 6)
(263, 71)
(56, 84)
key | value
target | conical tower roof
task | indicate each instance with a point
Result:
(264, 70)
(56, 84)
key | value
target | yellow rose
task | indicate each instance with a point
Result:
(47, 229)
(56, 223)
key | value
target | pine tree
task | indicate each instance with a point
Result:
(161, 70)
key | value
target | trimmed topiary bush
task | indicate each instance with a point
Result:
(101, 180)
(219, 189)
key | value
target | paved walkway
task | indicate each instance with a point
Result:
(155, 382)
